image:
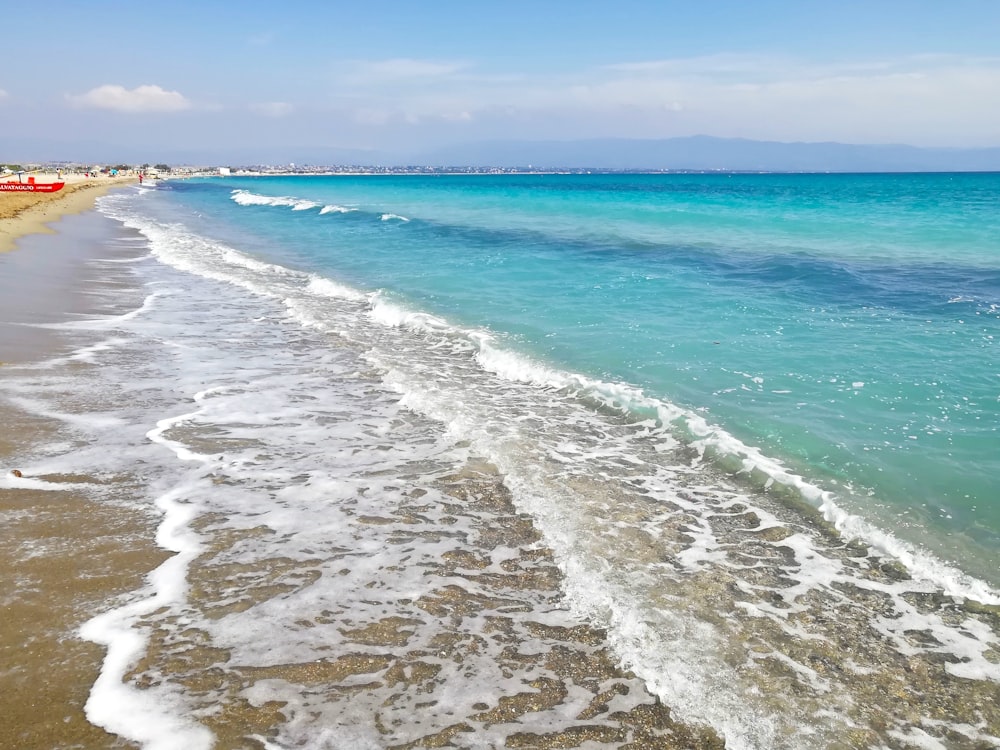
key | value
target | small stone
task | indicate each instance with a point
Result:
(17, 473)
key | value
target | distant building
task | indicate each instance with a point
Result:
(224, 171)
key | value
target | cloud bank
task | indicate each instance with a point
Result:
(411, 105)
(923, 99)
(147, 98)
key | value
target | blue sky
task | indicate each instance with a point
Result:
(407, 76)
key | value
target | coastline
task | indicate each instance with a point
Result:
(490, 587)
(63, 555)
(68, 556)
(22, 214)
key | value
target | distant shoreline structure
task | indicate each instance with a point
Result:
(681, 155)
(262, 170)
(514, 171)
(361, 171)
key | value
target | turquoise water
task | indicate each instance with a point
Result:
(844, 325)
(545, 455)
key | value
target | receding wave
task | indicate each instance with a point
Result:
(711, 441)
(741, 592)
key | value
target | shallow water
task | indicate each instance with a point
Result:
(843, 325)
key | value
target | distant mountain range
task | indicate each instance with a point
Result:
(689, 153)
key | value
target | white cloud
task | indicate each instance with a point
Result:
(400, 70)
(924, 100)
(146, 98)
(715, 66)
(272, 109)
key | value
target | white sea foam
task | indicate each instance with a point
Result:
(76, 419)
(395, 315)
(705, 436)
(334, 209)
(27, 482)
(568, 464)
(103, 322)
(325, 287)
(246, 198)
(815, 573)
(154, 717)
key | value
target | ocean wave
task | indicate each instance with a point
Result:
(246, 198)
(712, 441)
(324, 287)
(673, 534)
(333, 209)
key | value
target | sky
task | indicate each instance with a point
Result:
(407, 77)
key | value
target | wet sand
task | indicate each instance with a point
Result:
(62, 556)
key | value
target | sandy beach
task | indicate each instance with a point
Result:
(29, 213)
(61, 555)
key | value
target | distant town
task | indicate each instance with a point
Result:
(682, 155)
(166, 170)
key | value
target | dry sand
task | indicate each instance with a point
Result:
(30, 213)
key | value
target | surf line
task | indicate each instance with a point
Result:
(154, 717)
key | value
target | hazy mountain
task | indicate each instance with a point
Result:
(704, 152)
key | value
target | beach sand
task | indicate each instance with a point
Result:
(62, 556)
(30, 213)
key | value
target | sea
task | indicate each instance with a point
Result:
(543, 460)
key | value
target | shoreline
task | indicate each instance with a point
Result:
(483, 586)
(68, 557)
(23, 214)
(63, 555)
